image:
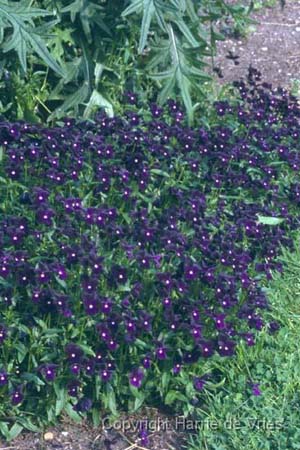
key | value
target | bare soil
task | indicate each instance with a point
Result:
(273, 47)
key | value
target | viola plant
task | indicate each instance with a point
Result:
(135, 248)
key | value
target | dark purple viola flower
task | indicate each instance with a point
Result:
(104, 332)
(130, 97)
(73, 387)
(60, 271)
(207, 349)
(176, 368)
(40, 195)
(199, 383)
(105, 375)
(74, 353)
(226, 347)
(144, 437)
(106, 305)
(130, 326)
(91, 304)
(195, 315)
(220, 321)
(89, 366)
(136, 377)
(161, 353)
(17, 397)
(4, 269)
(3, 377)
(83, 405)
(49, 371)
(255, 389)
(45, 216)
(118, 274)
(192, 356)
(42, 275)
(256, 322)
(166, 280)
(196, 333)
(96, 264)
(249, 338)
(75, 369)
(273, 327)
(143, 260)
(112, 345)
(36, 295)
(3, 333)
(191, 272)
(156, 110)
(146, 362)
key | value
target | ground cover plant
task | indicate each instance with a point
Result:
(269, 420)
(134, 249)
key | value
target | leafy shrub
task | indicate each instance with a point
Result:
(70, 57)
(133, 249)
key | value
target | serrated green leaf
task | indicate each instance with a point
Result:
(148, 11)
(136, 6)
(184, 86)
(24, 33)
(186, 32)
(167, 90)
(40, 48)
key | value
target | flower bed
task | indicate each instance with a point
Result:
(134, 248)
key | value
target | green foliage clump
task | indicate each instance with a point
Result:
(63, 57)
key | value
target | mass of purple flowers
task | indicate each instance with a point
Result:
(141, 241)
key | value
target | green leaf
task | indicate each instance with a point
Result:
(59, 405)
(96, 417)
(73, 100)
(97, 100)
(184, 85)
(146, 22)
(160, 172)
(165, 379)
(22, 351)
(71, 413)
(40, 48)
(270, 220)
(111, 400)
(21, 19)
(136, 6)
(4, 429)
(87, 350)
(138, 402)
(14, 431)
(173, 396)
(26, 423)
(32, 378)
(167, 89)
(186, 32)
(62, 283)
